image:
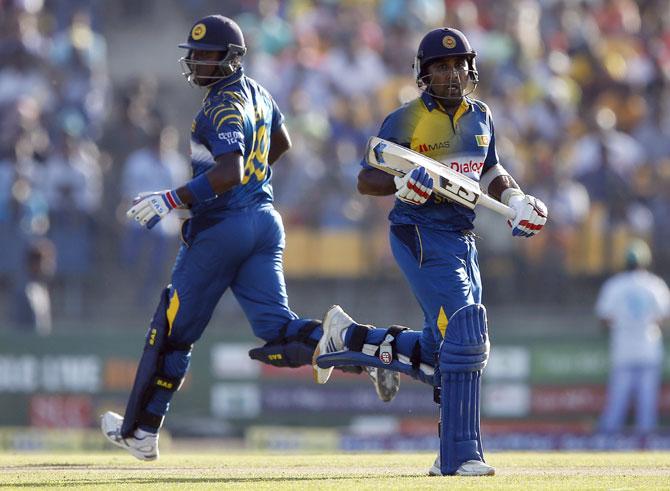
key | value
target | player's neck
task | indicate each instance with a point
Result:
(447, 106)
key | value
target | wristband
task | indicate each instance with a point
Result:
(173, 200)
(201, 189)
(508, 193)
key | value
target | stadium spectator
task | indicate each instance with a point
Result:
(32, 299)
(586, 80)
(631, 305)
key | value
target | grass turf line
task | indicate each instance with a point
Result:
(288, 471)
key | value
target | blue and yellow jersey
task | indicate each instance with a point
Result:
(236, 116)
(464, 142)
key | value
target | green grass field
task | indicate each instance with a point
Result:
(351, 471)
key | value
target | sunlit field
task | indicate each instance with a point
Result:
(246, 470)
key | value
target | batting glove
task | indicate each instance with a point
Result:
(531, 215)
(149, 208)
(415, 187)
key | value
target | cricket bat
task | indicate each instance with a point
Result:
(397, 160)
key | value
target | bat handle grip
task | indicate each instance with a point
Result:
(495, 205)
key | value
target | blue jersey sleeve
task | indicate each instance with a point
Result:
(223, 129)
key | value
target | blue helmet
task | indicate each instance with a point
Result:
(441, 43)
(214, 33)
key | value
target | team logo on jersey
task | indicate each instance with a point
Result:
(230, 136)
(482, 140)
(198, 32)
(449, 42)
(429, 147)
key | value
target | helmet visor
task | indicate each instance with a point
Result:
(207, 71)
(450, 81)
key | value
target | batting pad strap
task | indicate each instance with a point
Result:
(201, 189)
(416, 355)
(167, 383)
(288, 351)
(387, 346)
(390, 341)
(358, 333)
(370, 349)
(305, 332)
(425, 374)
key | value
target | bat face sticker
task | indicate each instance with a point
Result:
(379, 149)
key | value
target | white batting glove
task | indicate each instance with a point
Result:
(415, 187)
(149, 208)
(531, 215)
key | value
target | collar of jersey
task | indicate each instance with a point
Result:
(224, 82)
(431, 104)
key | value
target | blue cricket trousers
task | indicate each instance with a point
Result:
(243, 251)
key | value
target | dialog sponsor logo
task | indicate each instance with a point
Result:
(467, 167)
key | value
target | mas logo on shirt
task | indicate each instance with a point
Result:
(231, 136)
(482, 140)
(429, 147)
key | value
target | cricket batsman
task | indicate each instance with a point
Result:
(434, 246)
(234, 239)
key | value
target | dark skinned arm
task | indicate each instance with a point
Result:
(226, 174)
(499, 184)
(374, 182)
(280, 143)
(229, 168)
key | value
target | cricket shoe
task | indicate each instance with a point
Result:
(467, 468)
(142, 445)
(386, 382)
(335, 322)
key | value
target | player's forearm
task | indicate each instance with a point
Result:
(218, 186)
(500, 184)
(374, 182)
(495, 181)
(280, 143)
(226, 174)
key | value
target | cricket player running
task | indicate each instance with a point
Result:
(235, 238)
(432, 242)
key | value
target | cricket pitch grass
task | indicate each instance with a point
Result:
(345, 471)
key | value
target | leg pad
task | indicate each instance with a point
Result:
(463, 356)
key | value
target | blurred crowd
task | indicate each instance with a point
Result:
(579, 91)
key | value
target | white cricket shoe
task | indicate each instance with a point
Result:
(386, 382)
(435, 468)
(475, 468)
(143, 447)
(334, 323)
(468, 468)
